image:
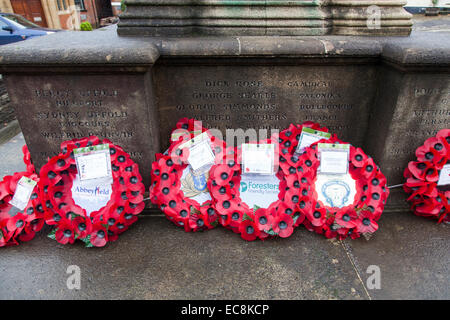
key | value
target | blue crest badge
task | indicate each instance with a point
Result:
(336, 193)
(200, 182)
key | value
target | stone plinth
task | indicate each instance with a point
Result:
(262, 18)
(384, 94)
(80, 84)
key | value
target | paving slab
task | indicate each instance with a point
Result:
(413, 254)
(11, 156)
(157, 260)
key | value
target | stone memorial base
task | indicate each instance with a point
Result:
(386, 95)
(264, 18)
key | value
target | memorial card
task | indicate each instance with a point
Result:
(94, 162)
(23, 192)
(201, 156)
(310, 136)
(334, 158)
(258, 158)
(444, 176)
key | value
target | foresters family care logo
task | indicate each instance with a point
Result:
(256, 187)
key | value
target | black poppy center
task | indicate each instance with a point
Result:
(19, 223)
(263, 220)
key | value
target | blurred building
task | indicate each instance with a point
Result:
(60, 14)
(420, 6)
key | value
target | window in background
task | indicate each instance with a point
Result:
(62, 5)
(80, 5)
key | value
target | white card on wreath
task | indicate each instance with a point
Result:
(23, 192)
(258, 158)
(310, 136)
(93, 162)
(444, 176)
(333, 158)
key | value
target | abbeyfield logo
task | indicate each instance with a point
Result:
(97, 191)
(244, 187)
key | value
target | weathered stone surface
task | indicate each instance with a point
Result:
(410, 108)
(266, 97)
(103, 90)
(55, 108)
(413, 103)
(370, 17)
(224, 17)
(371, 91)
(257, 18)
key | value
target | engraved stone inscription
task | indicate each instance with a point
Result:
(267, 97)
(55, 108)
(423, 110)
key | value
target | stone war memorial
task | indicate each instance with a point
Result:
(350, 65)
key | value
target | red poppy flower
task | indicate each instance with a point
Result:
(365, 223)
(207, 210)
(16, 223)
(65, 233)
(346, 219)
(249, 231)
(317, 216)
(82, 226)
(330, 229)
(283, 225)
(263, 219)
(222, 174)
(99, 235)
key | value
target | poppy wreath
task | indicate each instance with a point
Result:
(354, 220)
(21, 225)
(166, 188)
(426, 197)
(71, 221)
(290, 137)
(278, 219)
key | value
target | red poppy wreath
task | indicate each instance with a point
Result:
(181, 193)
(106, 221)
(345, 207)
(427, 178)
(229, 188)
(18, 224)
